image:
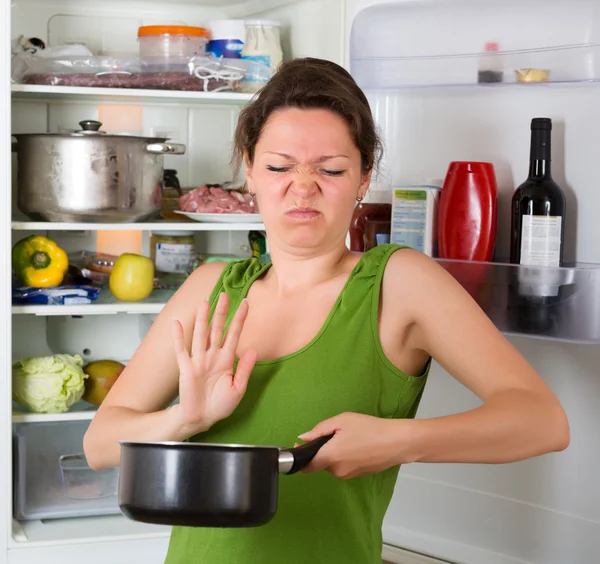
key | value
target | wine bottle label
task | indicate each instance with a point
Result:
(540, 240)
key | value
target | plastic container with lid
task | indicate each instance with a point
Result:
(262, 45)
(172, 251)
(372, 219)
(170, 47)
(227, 38)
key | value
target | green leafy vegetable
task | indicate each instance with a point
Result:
(48, 384)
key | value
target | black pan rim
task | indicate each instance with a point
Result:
(203, 445)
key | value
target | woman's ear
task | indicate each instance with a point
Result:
(247, 165)
(249, 170)
(364, 184)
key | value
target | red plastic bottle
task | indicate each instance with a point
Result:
(468, 212)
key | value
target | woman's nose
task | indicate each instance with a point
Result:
(304, 184)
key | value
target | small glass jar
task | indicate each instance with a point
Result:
(172, 251)
(170, 195)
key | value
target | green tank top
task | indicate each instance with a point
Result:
(320, 519)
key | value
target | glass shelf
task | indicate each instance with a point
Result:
(572, 64)
(434, 43)
(560, 304)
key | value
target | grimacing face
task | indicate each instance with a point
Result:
(306, 176)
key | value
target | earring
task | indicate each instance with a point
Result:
(359, 199)
(252, 199)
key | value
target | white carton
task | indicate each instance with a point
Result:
(414, 217)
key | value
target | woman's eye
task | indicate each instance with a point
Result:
(277, 168)
(334, 172)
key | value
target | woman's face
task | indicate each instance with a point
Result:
(306, 176)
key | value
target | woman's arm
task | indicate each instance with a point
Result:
(136, 407)
(520, 416)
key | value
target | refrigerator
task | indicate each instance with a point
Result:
(418, 63)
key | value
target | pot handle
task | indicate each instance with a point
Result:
(166, 148)
(294, 459)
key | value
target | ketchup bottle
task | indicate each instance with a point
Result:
(372, 219)
(468, 212)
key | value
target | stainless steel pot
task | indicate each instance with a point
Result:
(90, 176)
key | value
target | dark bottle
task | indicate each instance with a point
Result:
(538, 207)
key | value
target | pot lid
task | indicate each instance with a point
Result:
(91, 128)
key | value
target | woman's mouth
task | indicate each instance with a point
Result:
(303, 214)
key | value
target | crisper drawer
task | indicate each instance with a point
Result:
(51, 477)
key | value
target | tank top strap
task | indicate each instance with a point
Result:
(236, 278)
(368, 274)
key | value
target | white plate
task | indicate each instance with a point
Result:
(223, 217)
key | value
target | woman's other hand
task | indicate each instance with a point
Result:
(362, 444)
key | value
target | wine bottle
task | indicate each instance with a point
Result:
(538, 207)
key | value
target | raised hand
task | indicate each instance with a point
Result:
(209, 389)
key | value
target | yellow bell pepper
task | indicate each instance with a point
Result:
(39, 262)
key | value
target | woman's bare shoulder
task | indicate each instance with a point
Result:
(200, 284)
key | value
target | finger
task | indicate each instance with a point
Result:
(243, 371)
(218, 320)
(326, 427)
(235, 328)
(200, 335)
(318, 463)
(183, 358)
(178, 337)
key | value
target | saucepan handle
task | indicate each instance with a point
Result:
(294, 459)
(166, 148)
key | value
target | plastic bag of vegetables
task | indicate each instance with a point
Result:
(48, 384)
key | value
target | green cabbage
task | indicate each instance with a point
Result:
(48, 384)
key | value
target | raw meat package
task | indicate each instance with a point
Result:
(204, 74)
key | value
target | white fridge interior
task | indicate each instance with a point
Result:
(417, 62)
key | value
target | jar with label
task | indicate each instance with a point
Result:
(227, 38)
(262, 46)
(172, 251)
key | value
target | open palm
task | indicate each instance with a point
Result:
(209, 389)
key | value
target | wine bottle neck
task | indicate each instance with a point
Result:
(540, 155)
(539, 168)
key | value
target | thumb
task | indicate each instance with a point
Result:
(326, 427)
(244, 370)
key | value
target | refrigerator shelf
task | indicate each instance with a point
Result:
(557, 304)
(569, 64)
(433, 43)
(163, 225)
(106, 304)
(125, 95)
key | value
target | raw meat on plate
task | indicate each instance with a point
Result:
(211, 199)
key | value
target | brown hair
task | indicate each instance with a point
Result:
(309, 84)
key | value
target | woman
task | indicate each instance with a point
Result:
(328, 341)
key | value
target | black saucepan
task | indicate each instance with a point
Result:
(204, 484)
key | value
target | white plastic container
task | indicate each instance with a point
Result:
(414, 217)
(226, 38)
(262, 45)
(170, 47)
